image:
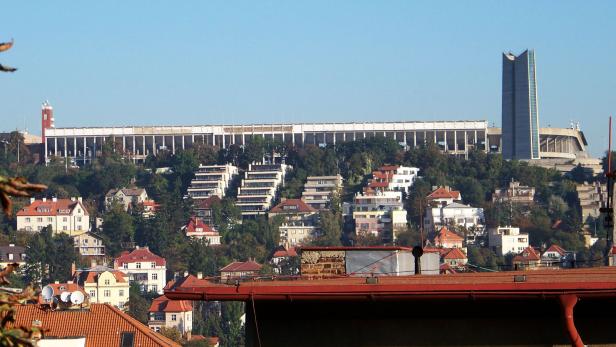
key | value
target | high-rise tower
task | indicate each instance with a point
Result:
(520, 122)
(46, 119)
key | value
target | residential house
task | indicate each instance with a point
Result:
(104, 285)
(212, 180)
(203, 208)
(63, 215)
(318, 190)
(99, 325)
(12, 254)
(528, 259)
(505, 240)
(259, 188)
(89, 244)
(196, 228)
(556, 257)
(515, 193)
(394, 178)
(129, 198)
(143, 267)
(170, 314)
(455, 258)
(443, 196)
(446, 238)
(150, 207)
(240, 270)
(379, 213)
(455, 214)
(299, 221)
(282, 260)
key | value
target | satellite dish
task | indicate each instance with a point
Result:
(65, 296)
(77, 297)
(47, 293)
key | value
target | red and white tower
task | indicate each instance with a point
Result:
(47, 119)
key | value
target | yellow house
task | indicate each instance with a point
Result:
(104, 285)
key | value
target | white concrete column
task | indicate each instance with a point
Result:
(153, 144)
(46, 152)
(475, 139)
(485, 141)
(334, 138)
(183, 143)
(94, 153)
(213, 139)
(75, 149)
(455, 141)
(414, 139)
(465, 145)
(173, 144)
(123, 143)
(134, 150)
(404, 139)
(224, 140)
(445, 139)
(65, 146)
(85, 149)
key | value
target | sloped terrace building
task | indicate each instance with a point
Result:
(393, 177)
(259, 188)
(318, 190)
(212, 180)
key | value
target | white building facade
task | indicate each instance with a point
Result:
(143, 267)
(505, 240)
(63, 215)
(212, 180)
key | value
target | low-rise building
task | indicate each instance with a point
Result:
(10, 254)
(394, 178)
(63, 215)
(455, 258)
(143, 267)
(446, 238)
(212, 180)
(299, 221)
(528, 259)
(443, 196)
(380, 214)
(515, 193)
(455, 215)
(104, 285)
(170, 314)
(240, 270)
(557, 257)
(318, 190)
(89, 244)
(505, 240)
(203, 208)
(196, 228)
(259, 188)
(129, 198)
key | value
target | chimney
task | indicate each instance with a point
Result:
(80, 199)
(185, 273)
(54, 199)
(200, 275)
(73, 198)
(44, 199)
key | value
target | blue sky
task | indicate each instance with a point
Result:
(195, 62)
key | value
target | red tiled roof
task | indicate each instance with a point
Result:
(162, 304)
(194, 223)
(444, 193)
(378, 184)
(613, 250)
(285, 253)
(455, 253)
(51, 208)
(446, 235)
(300, 206)
(205, 203)
(446, 269)
(528, 254)
(389, 167)
(557, 249)
(238, 266)
(142, 254)
(102, 325)
(91, 275)
(151, 203)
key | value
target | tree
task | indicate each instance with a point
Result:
(138, 305)
(171, 333)
(118, 228)
(330, 229)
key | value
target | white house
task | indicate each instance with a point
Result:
(504, 240)
(196, 228)
(393, 177)
(127, 197)
(454, 214)
(144, 267)
(63, 215)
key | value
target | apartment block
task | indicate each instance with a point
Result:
(505, 240)
(379, 213)
(63, 215)
(259, 188)
(318, 190)
(212, 180)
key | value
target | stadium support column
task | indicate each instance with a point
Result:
(414, 139)
(455, 141)
(75, 148)
(183, 143)
(153, 145)
(224, 142)
(404, 139)
(134, 149)
(94, 154)
(475, 142)
(123, 144)
(446, 147)
(64, 150)
(334, 139)
(173, 144)
(55, 146)
(213, 139)
(85, 149)
(485, 141)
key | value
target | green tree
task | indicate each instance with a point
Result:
(118, 228)
(330, 229)
(138, 305)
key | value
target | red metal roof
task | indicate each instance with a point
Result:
(299, 206)
(142, 254)
(163, 304)
(587, 282)
(238, 266)
(51, 208)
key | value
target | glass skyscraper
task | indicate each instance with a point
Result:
(520, 116)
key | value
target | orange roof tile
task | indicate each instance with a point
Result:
(51, 208)
(194, 223)
(91, 275)
(142, 254)
(162, 304)
(299, 206)
(557, 249)
(528, 254)
(455, 253)
(445, 235)
(102, 325)
(444, 193)
(285, 253)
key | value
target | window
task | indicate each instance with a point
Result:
(49, 219)
(79, 211)
(107, 282)
(155, 288)
(39, 219)
(121, 292)
(10, 256)
(79, 219)
(138, 265)
(27, 219)
(127, 339)
(107, 293)
(65, 228)
(65, 219)
(154, 276)
(174, 317)
(92, 293)
(125, 265)
(153, 265)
